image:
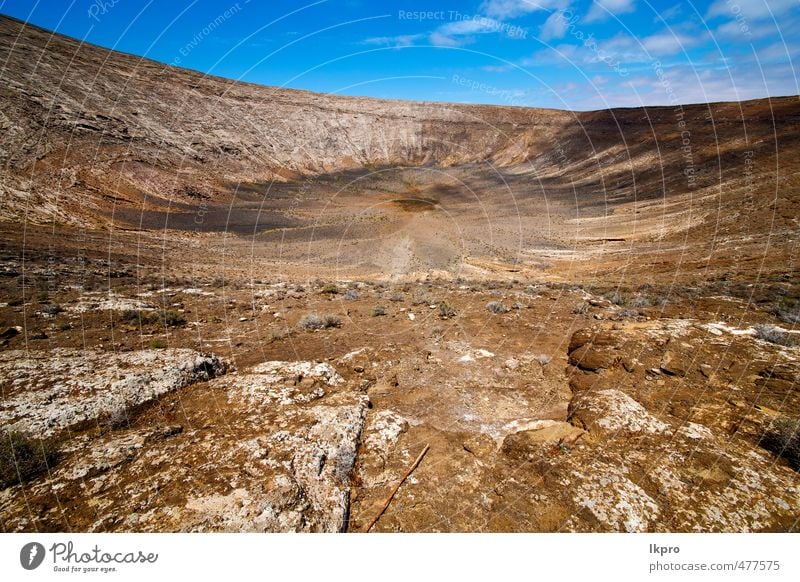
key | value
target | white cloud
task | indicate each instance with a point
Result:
(397, 41)
(439, 39)
(601, 8)
(504, 9)
(554, 27)
(669, 13)
(668, 43)
(750, 9)
(496, 68)
(471, 26)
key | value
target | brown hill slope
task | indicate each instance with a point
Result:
(89, 134)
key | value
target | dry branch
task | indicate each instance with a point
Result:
(389, 499)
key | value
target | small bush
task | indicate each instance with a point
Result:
(52, 309)
(310, 322)
(277, 335)
(117, 419)
(378, 310)
(331, 321)
(616, 298)
(787, 309)
(23, 458)
(543, 359)
(775, 335)
(172, 318)
(447, 309)
(497, 307)
(397, 297)
(130, 316)
(628, 313)
(581, 308)
(782, 437)
(165, 317)
(640, 301)
(158, 344)
(420, 297)
(350, 295)
(330, 289)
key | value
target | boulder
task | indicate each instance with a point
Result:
(613, 411)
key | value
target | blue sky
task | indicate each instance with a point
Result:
(569, 54)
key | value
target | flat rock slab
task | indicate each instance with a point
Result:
(46, 392)
(270, 449)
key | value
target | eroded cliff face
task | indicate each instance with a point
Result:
(80, 107)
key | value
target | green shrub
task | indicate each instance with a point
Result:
(172, 318)
(158, 344)
(447, 309)
(23, 458)
(330, 289)
(167, 317)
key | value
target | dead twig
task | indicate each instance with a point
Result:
(389, 499)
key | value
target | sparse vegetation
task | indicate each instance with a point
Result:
(581, 308)
(782, 437)
(497, 307)
(330, 289)
(171, 318)
(312, 321)
(397, 297)
(331, 321)
(543, 359)
(350, 295)
(23, 458)
(787, 309)
(447, 309)
(277, 335)
(167, 317)
(378, 310)
(158, 344)
(52, 309)
(421, 296)
(775, 335)
(117, 419)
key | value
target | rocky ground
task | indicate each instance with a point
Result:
(564, 409)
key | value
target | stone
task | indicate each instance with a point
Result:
(610, 411)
